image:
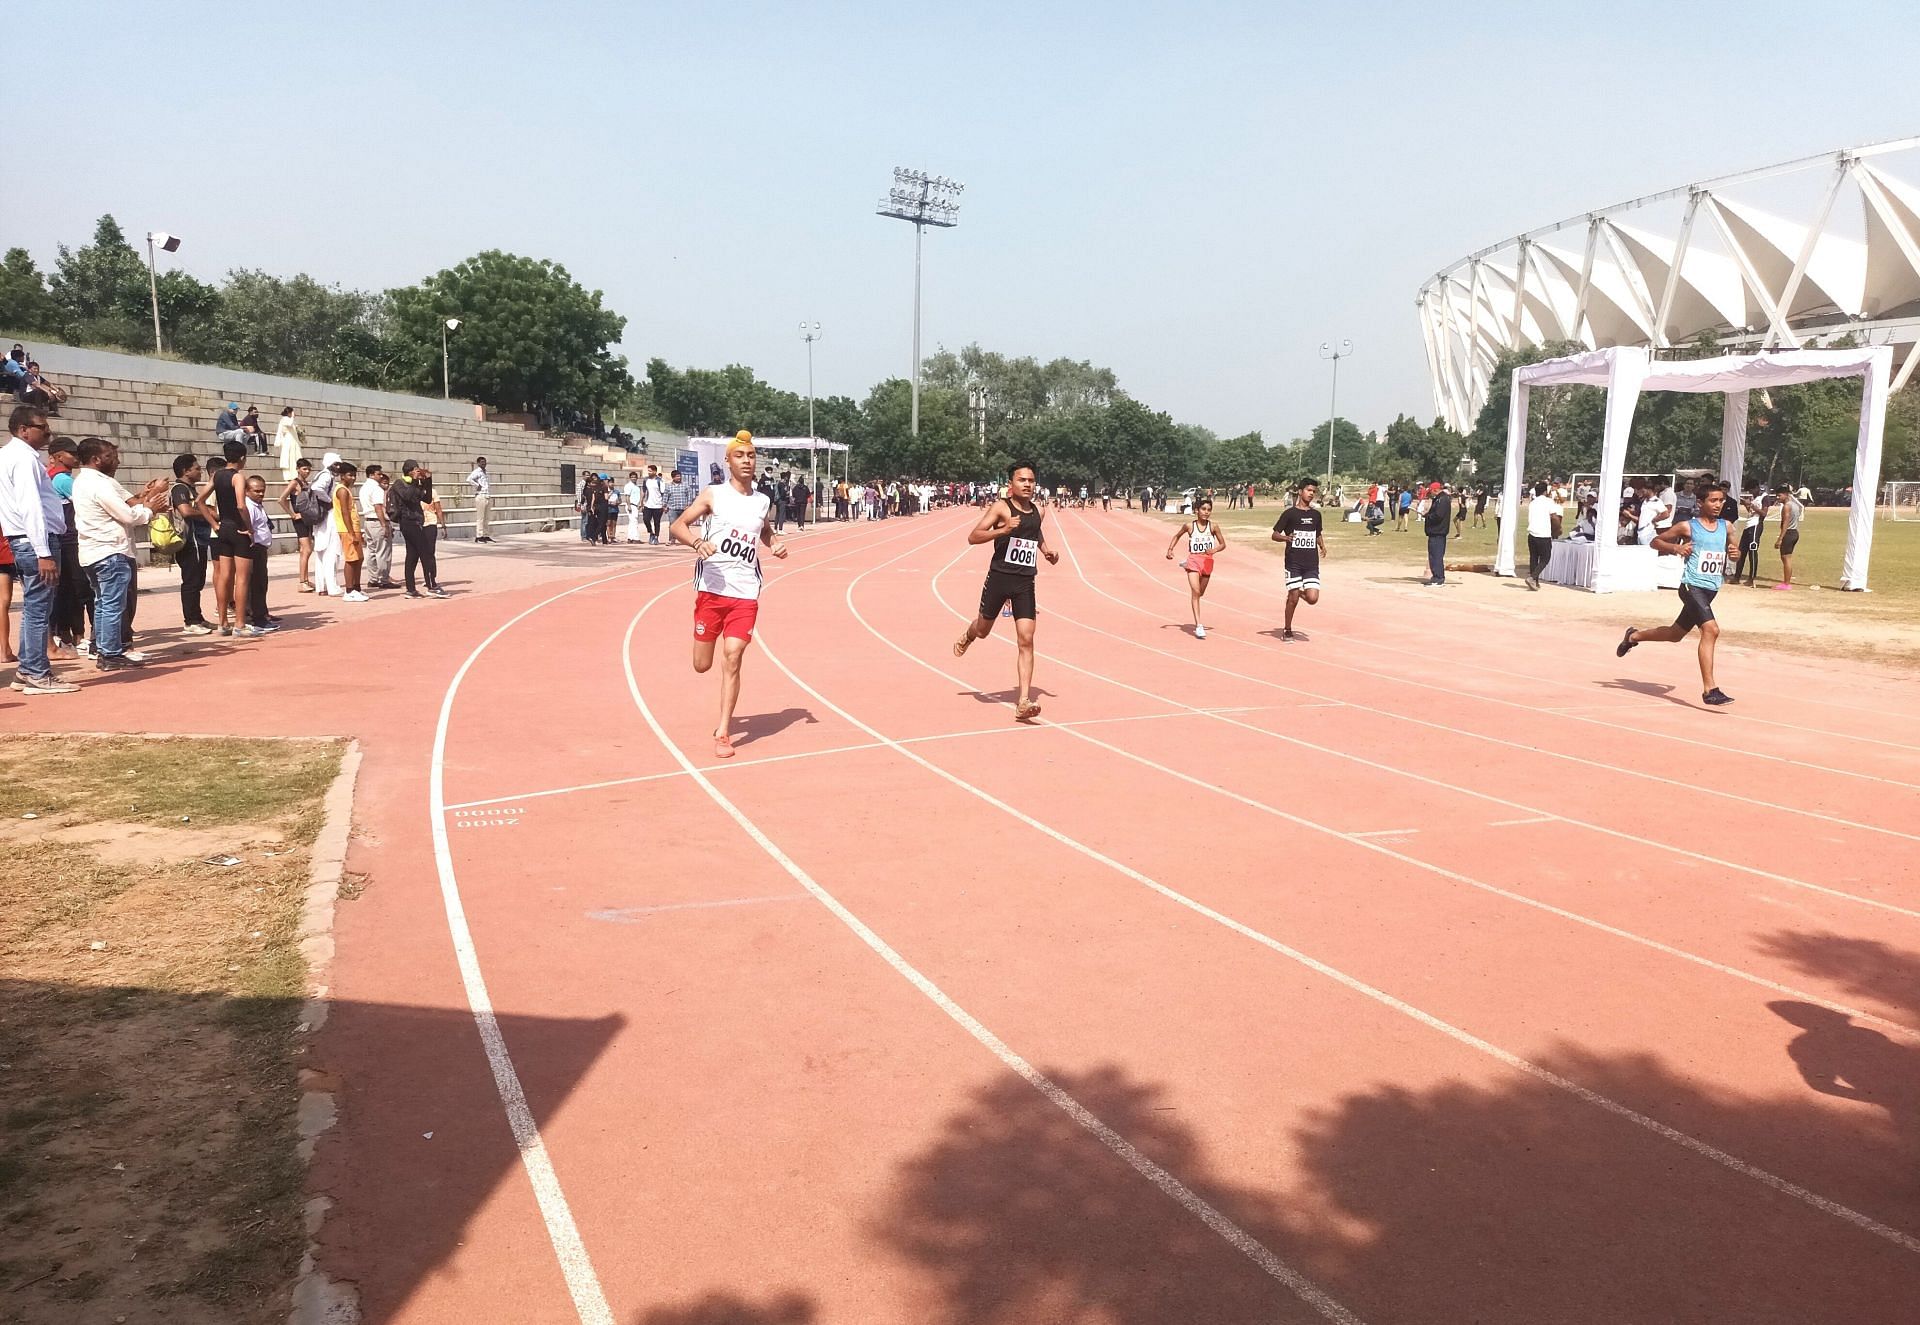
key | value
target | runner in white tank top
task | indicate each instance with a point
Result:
(1204, 538)
(726, 527)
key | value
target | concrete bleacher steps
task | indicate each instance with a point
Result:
(155, 421)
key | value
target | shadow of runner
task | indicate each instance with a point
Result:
(760, 726)
(1865, 968)
(726, 1309)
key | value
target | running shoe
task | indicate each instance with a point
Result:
(1199, 632)
(305, 587)
(1627, 643)
(47, 685)
(961, 645)
(198, 628)
(137, 658)
(1716, 697)
(1783, 585)
(253, 632)
(438, 593)
(722, 746)
(414, 593)
(1025, 710)
(86, 648)
(1285, 634)
(225, 629)
(355, 596)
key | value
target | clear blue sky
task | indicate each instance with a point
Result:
(1193, 195)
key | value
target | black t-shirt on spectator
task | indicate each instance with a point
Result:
(1439, 513)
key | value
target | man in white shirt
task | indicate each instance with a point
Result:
(632, 493)
(105, 515)
(653, 502)
(1543, 526)
(376, 531)
(1651, 516)
(31, 515)
(482, 485)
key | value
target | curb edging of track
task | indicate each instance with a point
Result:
(317, 1299)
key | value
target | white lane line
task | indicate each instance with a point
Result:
(1515, 823)
(1385, 832)
(576, 1266)
(627, 915)
(1732, 1162)
(1637, 729)
(735, 765)
(1242, 1241)
(1639, 839)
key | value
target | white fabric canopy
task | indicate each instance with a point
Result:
(1625, 371)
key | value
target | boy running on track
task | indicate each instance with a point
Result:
(1703, 542)
(732, 519)
(1204, 539)
(1013, 525)
(1300, 529)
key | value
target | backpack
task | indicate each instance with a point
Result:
(306, 504)
(162, 535)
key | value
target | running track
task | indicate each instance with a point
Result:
(1438, 968)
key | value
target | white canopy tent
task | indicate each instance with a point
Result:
(1626, 370)
(714, 449)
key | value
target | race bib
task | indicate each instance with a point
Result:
(733, 543)
(1713, 563)
(1306, 540)
(1023, 552)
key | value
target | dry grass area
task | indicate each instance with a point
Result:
(149, 997)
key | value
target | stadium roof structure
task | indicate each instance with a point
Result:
(1776, 258)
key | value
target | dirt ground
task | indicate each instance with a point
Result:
(150, 892)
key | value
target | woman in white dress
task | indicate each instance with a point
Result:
(290, 440)
(327, 564)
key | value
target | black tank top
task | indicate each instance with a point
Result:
(1018, 551)
(225, 505)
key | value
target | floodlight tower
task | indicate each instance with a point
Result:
(1328, 350)
(924, 200)
(171, 243)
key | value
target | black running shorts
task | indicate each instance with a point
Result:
(232, 543)
(1696, 606)
(1003, 587)
(1789, 541)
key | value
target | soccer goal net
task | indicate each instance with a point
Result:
(1900, 500)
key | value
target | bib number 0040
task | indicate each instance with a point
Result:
(733, 544)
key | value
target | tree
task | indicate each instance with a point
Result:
(184, 301)
(1238, 461)
(273, 325)
(531, 338)
(1349, 448)
(25, 305)
(101, 290)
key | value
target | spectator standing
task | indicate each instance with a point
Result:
(632, 496)
(1406, 509)
(291, 440)
(326, 539)
(259, 548)
(802, 494)
(1784, 542)
(1480, 507)
(782, 501)
(105, 516)
(406, 507)
(1752, 523)
(609, 508)
(434, 521)
(232, 545)
(193, 553)
(302, 505)
(1543, 526)
(346, 525)
(31, 515)
(74, 597)
(376, 529)
(1438, 519)
(680, 495)
(482, 484)
(653, 502)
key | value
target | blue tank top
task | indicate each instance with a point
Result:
(1706, 565)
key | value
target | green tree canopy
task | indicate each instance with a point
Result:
(25, 305)
(100, 290)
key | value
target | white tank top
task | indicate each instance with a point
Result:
(1200, 541)
(733, 571)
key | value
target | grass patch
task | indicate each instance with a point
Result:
(148, 1143)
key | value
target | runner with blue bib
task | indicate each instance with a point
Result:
(1703, 542)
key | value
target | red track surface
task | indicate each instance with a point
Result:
(1435, 969)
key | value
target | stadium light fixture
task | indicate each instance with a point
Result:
(1329, 350)
(922, 200)
(171, 243)
(446, 378)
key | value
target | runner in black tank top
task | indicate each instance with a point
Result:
(1013, 526)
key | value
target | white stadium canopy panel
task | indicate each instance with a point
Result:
(1775, 258)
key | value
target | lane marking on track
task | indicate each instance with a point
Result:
(576, 1266)
(1729, 1161)
(630, 915)
(735, 765)
(1235, 1236)
(1642, 730)
(1702, 788)
(1515, 823)
(1385, 832)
